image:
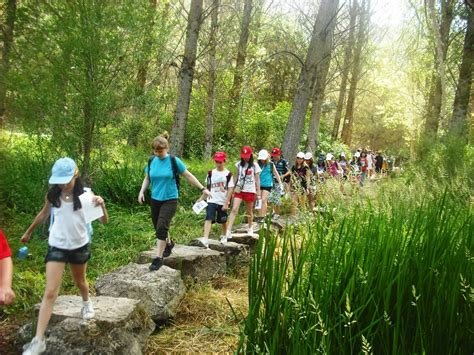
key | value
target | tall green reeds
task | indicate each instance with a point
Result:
(394, 277)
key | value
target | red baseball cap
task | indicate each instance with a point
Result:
(246, 152)
(276, 151)
(220, 156)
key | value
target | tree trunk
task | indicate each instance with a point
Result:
(186, 75)
(241, 53)
(440, 32)
(355, 75)
(458, 123)
(211, 89)
(321, 32)
(345, 70)
(319, 89)
(144, 62)
(7, 29)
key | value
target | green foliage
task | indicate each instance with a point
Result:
(381, 275)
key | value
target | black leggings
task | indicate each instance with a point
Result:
(162, 212)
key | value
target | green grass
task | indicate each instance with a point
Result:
(392, 274)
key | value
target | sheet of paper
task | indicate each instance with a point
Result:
(199, 206)
(89, 208)
(258, 204)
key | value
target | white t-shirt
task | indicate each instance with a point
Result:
(69, 230)
(247, 183)
(218, 186)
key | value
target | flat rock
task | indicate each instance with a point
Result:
(242, 228)
(199, 263)
(120, 326)
(236, 254)
(244, 238)
(160, 292)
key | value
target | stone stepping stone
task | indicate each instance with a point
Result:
(199, 263)
(160, 292)
(242, 228)
(120, 326)
(244, 238)
(236, 254)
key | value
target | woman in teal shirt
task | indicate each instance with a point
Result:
(162, 172)
(269, 172)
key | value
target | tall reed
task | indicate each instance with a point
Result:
(394, 277)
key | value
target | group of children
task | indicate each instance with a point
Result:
(256, 184)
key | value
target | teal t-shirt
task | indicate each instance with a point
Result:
(266, 176)
(163, 184)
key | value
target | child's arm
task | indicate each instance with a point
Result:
(6, 272)
(40, 218)
(99, 201)
(275, 172)
(230, 192)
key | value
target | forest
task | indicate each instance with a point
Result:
(388, 268)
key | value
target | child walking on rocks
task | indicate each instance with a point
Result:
(221, 185)
(162, 173)
(267, 176)
(68, 242)
(247, 189)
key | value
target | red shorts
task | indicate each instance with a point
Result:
(246, 196)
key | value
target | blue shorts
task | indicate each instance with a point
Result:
(215, 214)
(77, 256)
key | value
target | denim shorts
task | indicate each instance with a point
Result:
(215, 214)
(75, 256)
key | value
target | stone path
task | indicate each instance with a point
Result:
(131, 298)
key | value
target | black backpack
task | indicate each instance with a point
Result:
(209, 175)
(174, 166)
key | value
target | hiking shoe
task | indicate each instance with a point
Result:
(250, 230)
(34, 347)
(87, 310)
(156, 264)
(204, 242)
(276, 216)
(168, 248)
(223, 239)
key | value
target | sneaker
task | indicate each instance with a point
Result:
(223, 239)
(156, 264)
(250, 230)
(34, 347)
(204, 242)
(87, 310)
(168, 248)
(276, 216)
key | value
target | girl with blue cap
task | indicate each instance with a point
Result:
(68, 242)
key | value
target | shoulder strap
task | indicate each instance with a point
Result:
(174, 166)
(229, 176)
(150, 159)
(209, 175)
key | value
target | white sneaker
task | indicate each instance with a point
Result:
(250, 230)
(34, 347)
(276, 216)
(87, 310)
(223, 239)
(204, 242)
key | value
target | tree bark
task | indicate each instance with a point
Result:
(186, 75)
(440, 32)
(211, 89)
(355, 75)
(241, 53)
(345, 70)
(459, 120)
(321, 32)
(7, 29)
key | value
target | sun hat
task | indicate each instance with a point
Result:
(263, 155)
(300, 155)
(357, 154)
(308, 156)
(63, 171)
(220, 156)
(343, 154)
(276, 151)
(246, 152)
(329, 156)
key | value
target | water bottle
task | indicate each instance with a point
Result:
(23, 253)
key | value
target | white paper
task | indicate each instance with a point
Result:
(199, 206)
(89, 208)
(258, 204)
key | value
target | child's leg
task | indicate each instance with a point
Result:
(54, 273)
(224, 228)
(233, 213)
(249, 208)
(207, 228)
(263, 210)
(78, 272)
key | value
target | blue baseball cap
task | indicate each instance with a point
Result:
(63, 171)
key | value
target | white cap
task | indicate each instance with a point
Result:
(300, 155)
(308, 156)
(329, 156)
(343, 154)
(357, 154)
(263, 155)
